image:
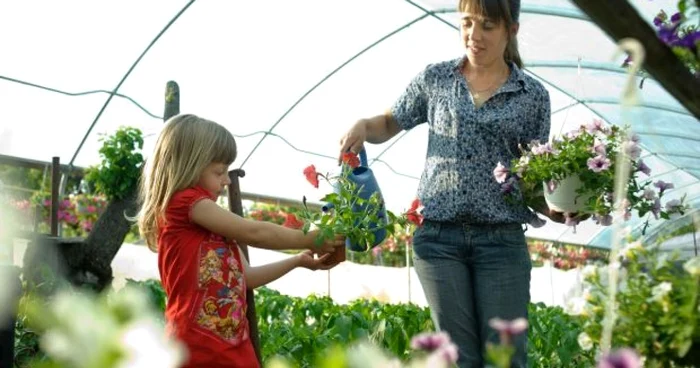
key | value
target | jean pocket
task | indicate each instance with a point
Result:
(426, 240)
(511, 237)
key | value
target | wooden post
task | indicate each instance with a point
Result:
(235, 205)
(55, 184)
(172, 100)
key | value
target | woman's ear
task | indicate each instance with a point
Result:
(514, 29)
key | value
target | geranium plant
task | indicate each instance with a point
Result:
(588, 154)
(350, 211)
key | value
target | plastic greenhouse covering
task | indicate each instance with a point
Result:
(288, 78)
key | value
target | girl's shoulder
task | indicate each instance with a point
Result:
(190, 196)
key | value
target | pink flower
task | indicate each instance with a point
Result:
(631, 149)
(649, 194)
(641, 166)
(674, 206)
(508, 329)
(500, 172)
(91, 209)
(599, 147)
(551, 186)
(622, 358)
(429, 341)
(598, 163)
(656, 208)
(662, 185)
(540, 149)
(595, 126)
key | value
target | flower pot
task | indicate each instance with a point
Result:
(337, 256)
(564, 197)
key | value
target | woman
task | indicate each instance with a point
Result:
(470, 254)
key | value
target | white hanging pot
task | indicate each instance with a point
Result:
(564, 197)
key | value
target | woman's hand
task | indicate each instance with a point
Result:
(306, 259)
(540, 205)
(353, 140)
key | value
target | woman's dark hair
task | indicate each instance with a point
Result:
(507, 11)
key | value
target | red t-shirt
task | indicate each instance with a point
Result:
(202, 275)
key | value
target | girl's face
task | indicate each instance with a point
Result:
(485, 39)
(214, 178)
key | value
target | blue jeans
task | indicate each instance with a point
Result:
(471, 274)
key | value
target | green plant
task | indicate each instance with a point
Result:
(590, 153)
(553, 338)
(348, 212)
(118, 174)
(657, 304)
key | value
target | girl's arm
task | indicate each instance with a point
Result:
(260, 234)
(265, 274)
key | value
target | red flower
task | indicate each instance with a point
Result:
(351, 159)
(311, 175)
(293, 222)
(413, 215)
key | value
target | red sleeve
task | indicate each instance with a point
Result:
(180, 206)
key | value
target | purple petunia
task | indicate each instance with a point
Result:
(598, 163)
(622, 358)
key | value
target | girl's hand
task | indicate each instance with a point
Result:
(306, 259)
(329, 245)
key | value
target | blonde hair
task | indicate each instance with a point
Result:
(507, 11)
(185, 147)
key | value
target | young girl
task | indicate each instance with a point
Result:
(203, 272)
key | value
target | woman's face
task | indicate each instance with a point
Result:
(485, 39)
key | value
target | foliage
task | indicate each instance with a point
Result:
(590, 153)
(301, 329)
(118, 174)
(553, 338)
(349, 212)
(657, 304)
(77, 329)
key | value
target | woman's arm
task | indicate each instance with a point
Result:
(377, 129)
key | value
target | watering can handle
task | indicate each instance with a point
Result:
(363, 158)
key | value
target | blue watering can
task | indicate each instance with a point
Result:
(364, 178)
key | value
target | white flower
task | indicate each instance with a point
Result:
(82, 323)
(692, 266)
(589, 271)
(630, 248)
(661, 290)
(575, 306)
(584, 341)
(145, 344)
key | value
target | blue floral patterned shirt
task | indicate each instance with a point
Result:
(465, 143)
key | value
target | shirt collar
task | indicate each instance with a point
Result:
(515, 81)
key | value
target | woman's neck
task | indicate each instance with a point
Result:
(480, 71)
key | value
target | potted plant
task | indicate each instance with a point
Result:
(575, 174)
(355, 208)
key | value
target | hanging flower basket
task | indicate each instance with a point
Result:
(565, 197)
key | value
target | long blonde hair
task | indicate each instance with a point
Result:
(507, 11)
(186, 146)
